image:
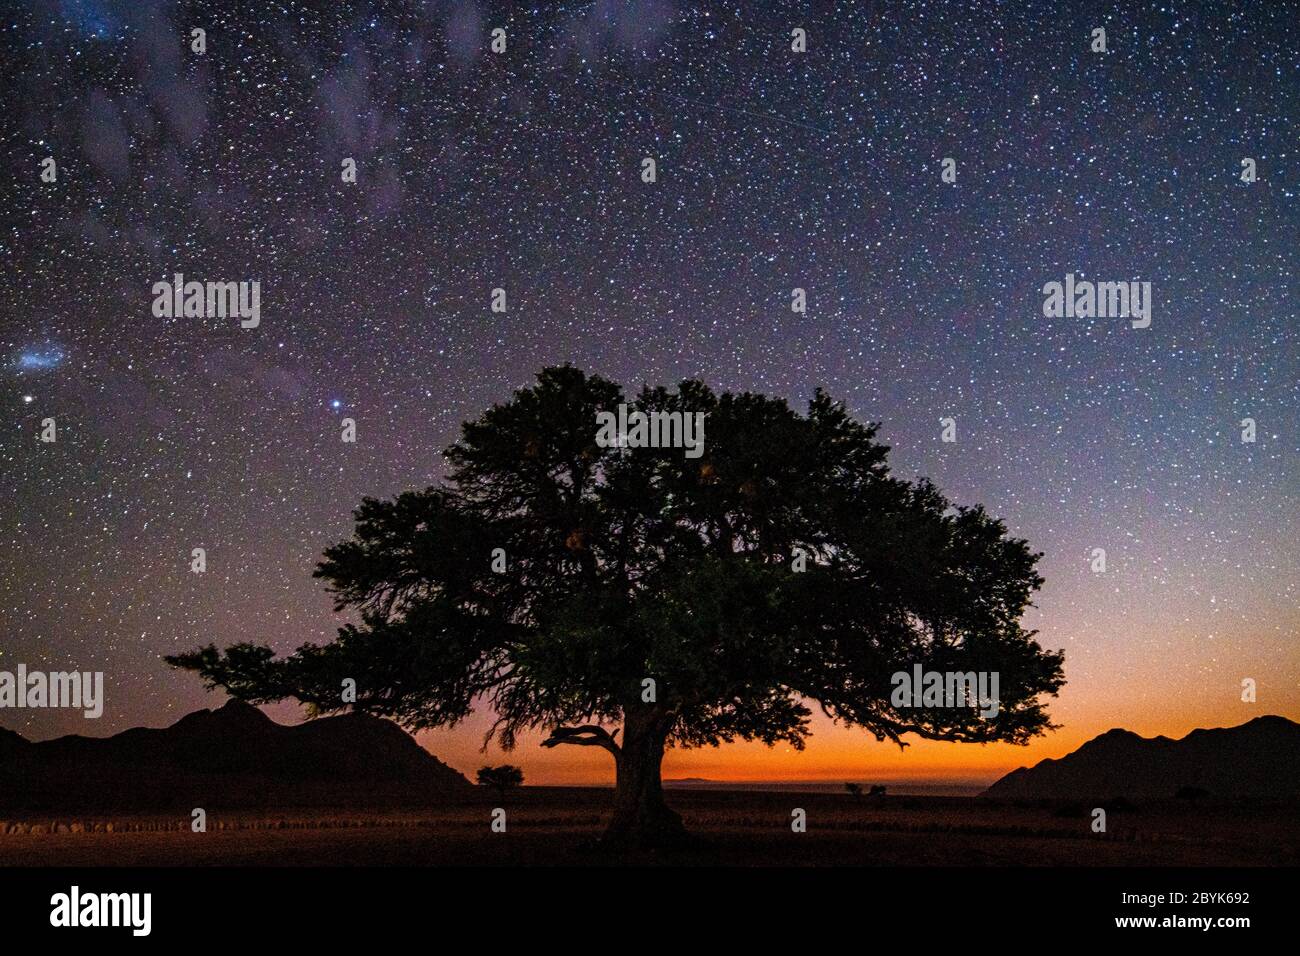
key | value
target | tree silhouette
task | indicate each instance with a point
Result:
(502, 778)
(676, 601)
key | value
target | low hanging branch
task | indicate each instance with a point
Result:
(588, 735)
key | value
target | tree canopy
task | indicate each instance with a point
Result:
(582, 589)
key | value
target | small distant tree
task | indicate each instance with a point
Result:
(854, 788)
(502, 778)
(877, 790)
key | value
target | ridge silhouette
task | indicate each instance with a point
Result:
(1257, 759)
(234, 756)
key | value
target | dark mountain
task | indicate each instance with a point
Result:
(11, 745)
(235, 756)
(1260, 758)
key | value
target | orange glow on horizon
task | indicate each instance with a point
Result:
(1167, 686)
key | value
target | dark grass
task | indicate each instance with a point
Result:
(560, 826)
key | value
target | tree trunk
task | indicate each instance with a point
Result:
(641, 818)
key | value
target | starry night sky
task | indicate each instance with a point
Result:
(776, 170)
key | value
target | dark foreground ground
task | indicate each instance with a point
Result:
(745, 828)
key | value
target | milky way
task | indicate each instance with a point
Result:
(775, 170)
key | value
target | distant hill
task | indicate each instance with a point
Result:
(235, 756)
(1260, 758)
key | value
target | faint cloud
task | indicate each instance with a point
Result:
(617, 25)
(104, 139)
(465, 33)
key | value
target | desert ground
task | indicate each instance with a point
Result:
(556, 826)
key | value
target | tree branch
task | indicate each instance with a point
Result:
(589, 735)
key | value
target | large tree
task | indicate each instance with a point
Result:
(643, 598)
